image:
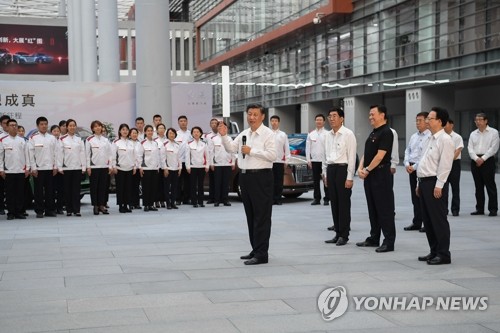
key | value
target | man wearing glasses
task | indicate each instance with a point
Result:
(433, 170)
(483, 146)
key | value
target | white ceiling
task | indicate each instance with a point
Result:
(48, 8)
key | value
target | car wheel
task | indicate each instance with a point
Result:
(292, 195)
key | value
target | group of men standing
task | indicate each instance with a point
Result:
(432, 161)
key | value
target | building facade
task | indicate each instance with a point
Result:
(301, 57)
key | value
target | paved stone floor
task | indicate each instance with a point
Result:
(179, 271)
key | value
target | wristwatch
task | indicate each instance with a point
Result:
(366, 169)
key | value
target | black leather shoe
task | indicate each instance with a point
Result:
(492, 214)
(20, 217)
(216, 204)
(209, 202)
(195, 205)
(39, 215)
(69, 214)
(333, 240)
(412, 227)
(137, 207)
(10, 217)
(227, 204)
(60, 212)
(422, 229)
(153, 209)
(477, 213)
(332, 228)
(255, 261)
(384, 248)
(315, 202)
(326, 203)
(427, 257)
(366, 244)
(248, 256)
(342, 241)
(178, 203)
(439, 261)
(175, 207)
(146, 208)
(2, 211)
(201, 205)
(78, 214)
(162, 204)
(454, 213)
(169, 206)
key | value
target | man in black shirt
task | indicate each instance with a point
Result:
(375, 170)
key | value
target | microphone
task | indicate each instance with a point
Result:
(244, 141)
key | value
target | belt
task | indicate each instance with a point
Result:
(337, 165)
(427, 179)
(254, 170)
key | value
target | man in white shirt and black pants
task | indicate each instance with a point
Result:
(282, 158)
(256, 153)
(338, 173)
(433, 170)
(315, 154)
(456, 169)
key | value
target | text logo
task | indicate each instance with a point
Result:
(332, 303)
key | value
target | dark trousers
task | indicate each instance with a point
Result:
(278, 174)
(160, 193)
(211, 185)
(149, 187)
(44, 192)
(340, 197)
(72, 180)
(485, 176)
(380, 200)
(184, 188)
(222, 174)
(454, 181)
(197, 177)
(257, 197)
(2, 193)
(317, 169)
(170, 186)
(99, 186)
(124, 181)
(59, 191)
(136, 183)
(434, 213)
(28, 194)
(14, 193)
(417, 210)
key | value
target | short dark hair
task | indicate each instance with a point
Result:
(217, 120)
(120, 128)
(157, 116)
(196, 128)
(21, 126)
(62, 123)
(482, 115)
(321, 116)
(70, 121)
(339, 111)
(131, 130)
(422, 114)
(139, 119)
(4, 117)
(450, 121)
(256, 106)
(182, 117)
(147, 127)
(441, 114)
(171, 130)
(276, 117)
(381, 109)
(53, 127)
(161, 124)
(40, 119)
(11, 120)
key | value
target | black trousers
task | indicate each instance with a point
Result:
(160, 193)
(2, 193)
(184, 187)
(222, 174)
(436, 224)
(417, 210)
(454, 181)
(485, 176)
(211, 185)
(197, 177)
(257, 197)
(278, 174)
(99, 186)
(135, 195)
(317, 169)
(124, 187)
(149, 187)
(72, 180)
(340, 197)
(59, 191)
(14, 193)
(28, 194)
(44, 192)
(170, 186)
(380, 200)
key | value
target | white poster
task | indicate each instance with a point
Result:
(112, 103)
